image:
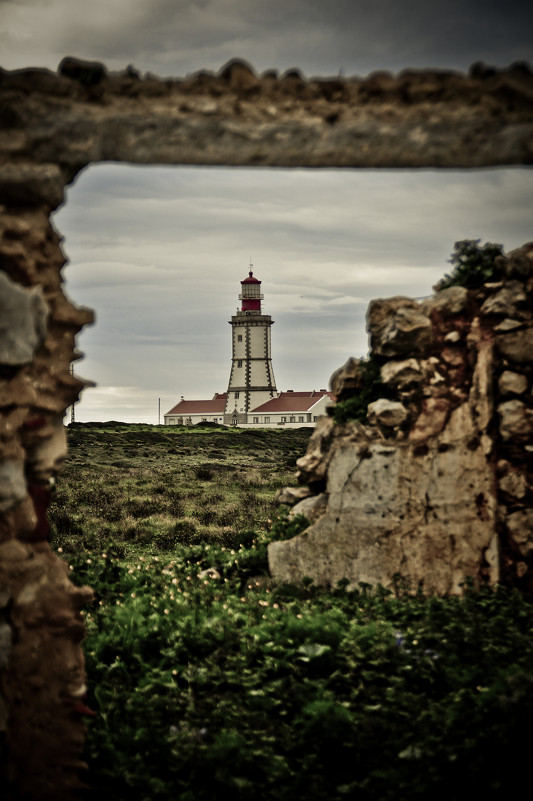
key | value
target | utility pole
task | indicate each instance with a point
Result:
(159, 412)
(72, 415)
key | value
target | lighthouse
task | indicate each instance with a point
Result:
(251, 381)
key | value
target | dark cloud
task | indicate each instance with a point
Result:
(318, 36)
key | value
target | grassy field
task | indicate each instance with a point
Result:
(149, 488)
(209, 681)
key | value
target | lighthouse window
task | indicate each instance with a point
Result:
(239, 363)
(236, 395)
(239, 337)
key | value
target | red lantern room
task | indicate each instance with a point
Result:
(251, 294)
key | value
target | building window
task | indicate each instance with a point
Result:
(267, 419)
(292, 419)
(256, 419)
(283, 419)
(239, 363)
(314, 419)
(301, 419)
(239, 337)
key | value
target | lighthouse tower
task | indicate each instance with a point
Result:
(251, 380)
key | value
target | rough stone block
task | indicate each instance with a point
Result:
(520, 528)
(387, 413)
(402, 374)
(23, 321)
(398, 328)
(510, 383)
(516, 346)
(12, 485)
(516, 421)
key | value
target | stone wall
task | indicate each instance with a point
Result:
(437, 486)
(51, 126)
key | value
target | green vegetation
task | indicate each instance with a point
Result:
(473, 265)
(152, 487)
(208, 685)
(371, 388)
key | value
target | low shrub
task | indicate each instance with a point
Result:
(473, 264)
(209, 686)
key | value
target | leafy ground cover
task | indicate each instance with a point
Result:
(219, 684)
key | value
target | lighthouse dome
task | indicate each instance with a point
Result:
(250, 279)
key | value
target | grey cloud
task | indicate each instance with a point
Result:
(355, 36)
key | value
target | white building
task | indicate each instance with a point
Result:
(252, 398)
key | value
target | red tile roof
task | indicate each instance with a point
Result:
(292, 402)
(214, 406)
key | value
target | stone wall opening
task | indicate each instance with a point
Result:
(53, 125)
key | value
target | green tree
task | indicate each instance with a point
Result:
(473, 264)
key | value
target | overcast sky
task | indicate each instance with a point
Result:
(159, 252)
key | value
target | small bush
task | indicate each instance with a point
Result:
(185, 531)
(473, 265)
(204, 473)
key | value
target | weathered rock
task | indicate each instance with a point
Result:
(387, 413)
(511, 300)
(508, 324)
(510, 383)
(431, 420)
(453, 337)
(347, 380)
(480, 397)
(519, 262)
(312, 468)
(447, 302)
(46, 457)
(513, 483)
(520, 528)
(516, 346)
(311, 507)
(30, 184)
(23, 317)
(402, 374)
(6, 638)
(433, 373)
(454, 356)
(292, 495)
(516, 421)
(423, 507)
(429, 517)
(397, 327)
(12, 484)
